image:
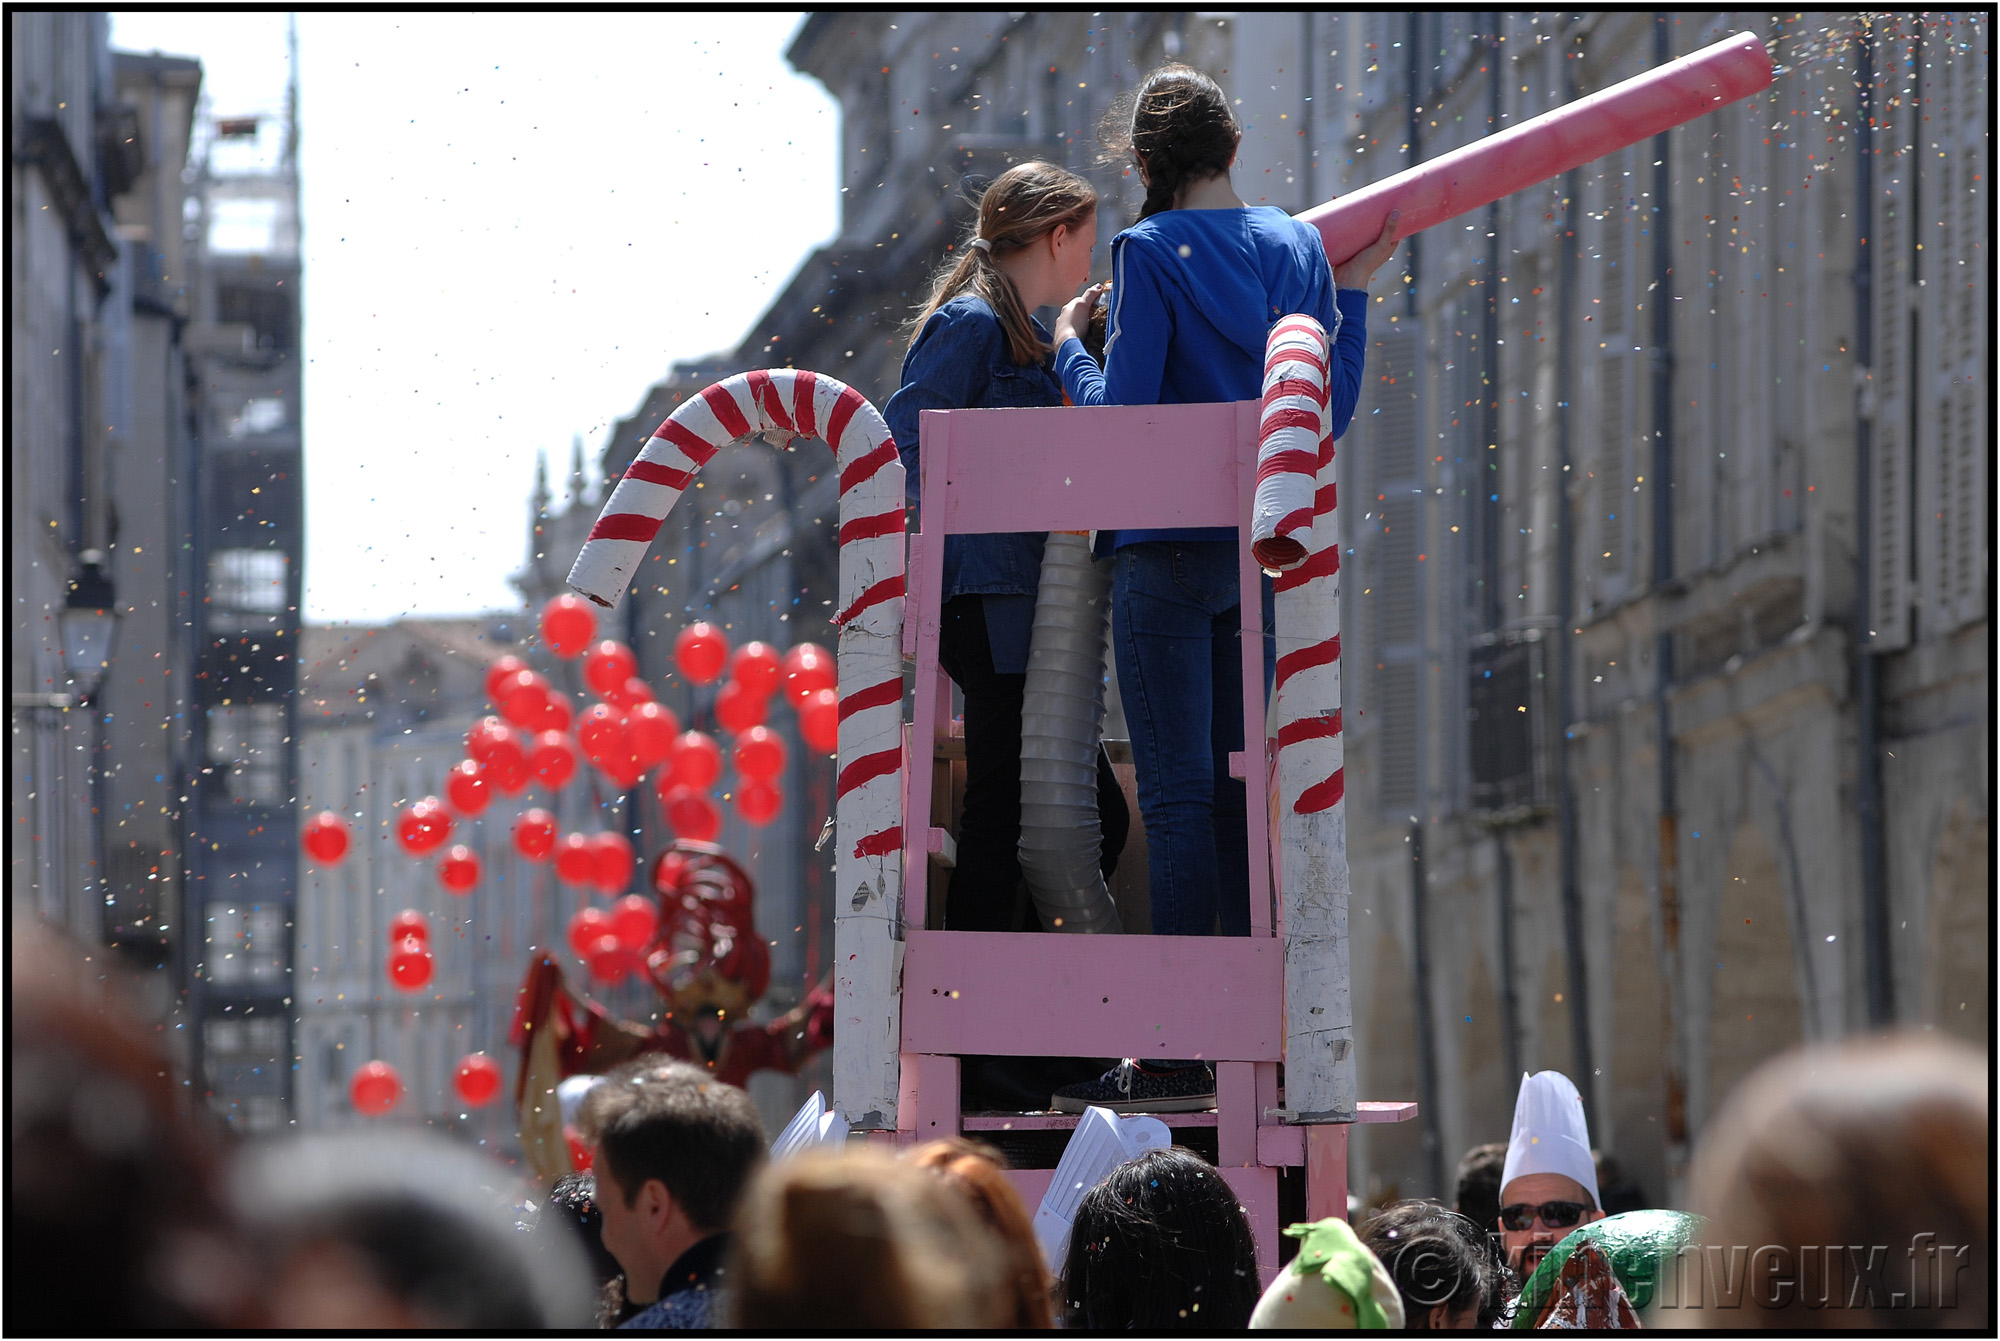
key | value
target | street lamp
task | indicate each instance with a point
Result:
(88, 624)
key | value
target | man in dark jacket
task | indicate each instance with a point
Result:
(675, 1149)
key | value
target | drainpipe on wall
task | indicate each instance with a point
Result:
(1674, 1077)
(1876, 961)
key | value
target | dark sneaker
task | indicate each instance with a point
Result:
(1139, 1087)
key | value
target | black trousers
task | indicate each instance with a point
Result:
(987, 893)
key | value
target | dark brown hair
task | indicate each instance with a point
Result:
(1179, 126)
(675, 1122)
(980, 1172)
(1022, 205)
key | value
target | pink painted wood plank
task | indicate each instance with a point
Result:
(1236, 1105)
(1249, 413)
(1064, 1121)
(1326, 1170)
(927, 1107)
(1378, 1110)
(1281, 1147)
(1214, 997)
(1076, 469)
(1257, 1190)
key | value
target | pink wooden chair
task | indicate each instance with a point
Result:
(1218, 998)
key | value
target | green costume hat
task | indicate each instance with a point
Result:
(1334, 1283)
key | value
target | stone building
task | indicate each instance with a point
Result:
(1645, 454)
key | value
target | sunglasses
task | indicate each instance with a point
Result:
(1554, 1214)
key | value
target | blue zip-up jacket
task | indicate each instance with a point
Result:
(1194, 295)
(960, 362)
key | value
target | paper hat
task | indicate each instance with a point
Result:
(1334, 1284)
(1550, 1134)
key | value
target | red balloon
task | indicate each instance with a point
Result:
(535, 834)
(491, 739)
(567, 625)
(759, 802)
(410, 964)
(601, 733)
(701, 652)
(374, 1088)
(611, 854)
(477, 1079)
(499, 669)
(757, 668)
(808, 667)
(624, 773)
(555, 713)
(650, 729)
(458, 870)
(586, 928)
(696, 760)
(819, 721)
(580, 1154)
(576, 859)
(324, 837)
(692, 814)
(737, 709)
(607, 668)
(634, 920)
(631, 694)
(759, 754)
(553, 760)
(509, 773)
(409, 924)
(609, 960)
(467, 787)
(424, 826)
(524, 698)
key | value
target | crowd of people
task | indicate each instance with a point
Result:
(129, 1214)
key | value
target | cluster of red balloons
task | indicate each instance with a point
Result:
(375, 1087)
(613, 941)
(410, 961)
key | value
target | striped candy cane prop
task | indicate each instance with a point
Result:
(1319, 1030)
(782, 404)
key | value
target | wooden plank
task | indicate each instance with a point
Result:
(1377, 1110)
(1075, 469)
(1281, 1147)
(1326, 1170)
(1065, 1121)
(1217, 998)
(1236, 1106)
(928, 1105)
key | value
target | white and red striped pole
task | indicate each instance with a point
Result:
(781, 404)
(1294, 531)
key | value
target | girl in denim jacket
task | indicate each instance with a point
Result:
(976, 345)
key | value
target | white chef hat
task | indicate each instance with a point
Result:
(1550, 1133)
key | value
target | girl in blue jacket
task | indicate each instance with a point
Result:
(976, 345)
(1197, 284)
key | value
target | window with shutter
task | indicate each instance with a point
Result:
(1889, 463)
(1950, 271)
(1386, 441)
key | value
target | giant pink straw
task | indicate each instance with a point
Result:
(1551, 143)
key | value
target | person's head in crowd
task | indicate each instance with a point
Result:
(573, 1201)
(1160, 1245)
(1548, 1185)
(1444, 1270)
(113, 1211)
(1478, 1194)
(1616, 1193)
(868, 1243)
(979, 1171)
(1881, 1142)
(1334, 1283)
(404, 1229)
(675, 1149)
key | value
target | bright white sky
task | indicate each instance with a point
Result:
(513, 224)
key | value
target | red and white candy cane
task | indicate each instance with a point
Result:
(1294, 530)
(781, 404)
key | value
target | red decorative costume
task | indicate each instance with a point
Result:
(709, 965)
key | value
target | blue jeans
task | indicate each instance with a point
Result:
(1176, 626)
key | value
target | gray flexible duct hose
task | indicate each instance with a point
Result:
(1062, 717)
